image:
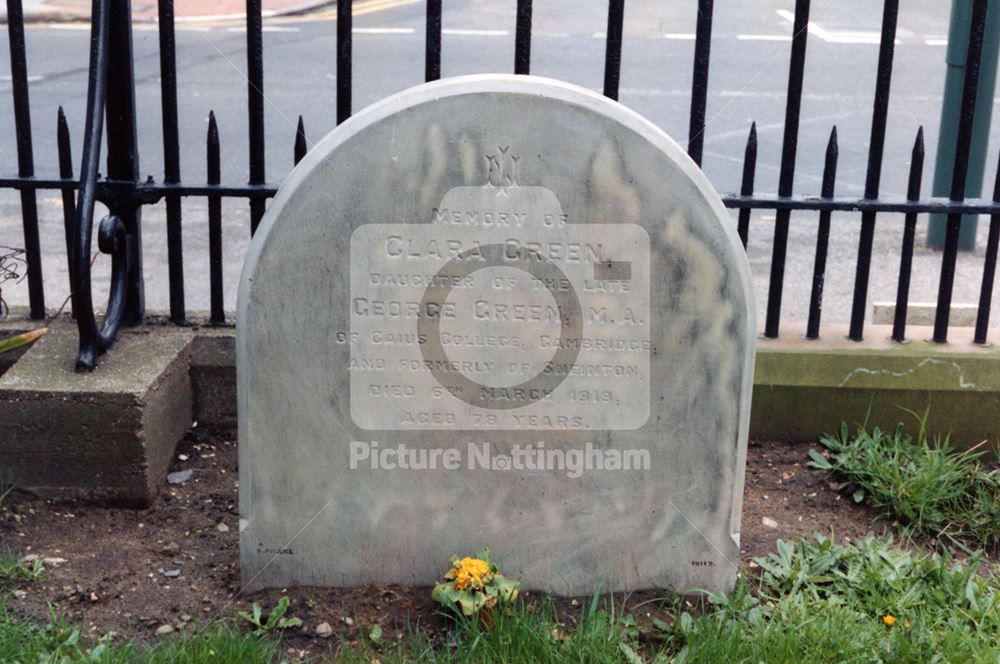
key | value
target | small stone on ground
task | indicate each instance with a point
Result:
(180, 477)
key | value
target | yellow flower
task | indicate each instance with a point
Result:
(906, 623)
(889, 620)
(470, 571)
(462, 579)
(477, 568)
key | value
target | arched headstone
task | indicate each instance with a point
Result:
(494, 311)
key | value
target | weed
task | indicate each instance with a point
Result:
(930, 488)
(276, 619)
(13, 568)
(814, 601)
(221, 642)
(56, 642)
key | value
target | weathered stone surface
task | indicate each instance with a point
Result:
(497, 268)
(106, 436)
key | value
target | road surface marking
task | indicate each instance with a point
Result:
(31, 79)
(266, 28)
(774, 38)
(68, 26)
(933, 41)
(383, 31)
(681, 36)
(474, 33)
(836, 36)
(599, 35)
(210, 18)
(362, 8)
(359, 9)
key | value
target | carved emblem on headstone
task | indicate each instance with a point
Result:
(502, 168)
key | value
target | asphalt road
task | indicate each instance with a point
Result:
(748, 78)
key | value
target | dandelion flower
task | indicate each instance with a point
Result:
(470, 572)
(889, 620)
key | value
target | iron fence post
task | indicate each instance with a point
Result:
(123, 151)
(25, 156)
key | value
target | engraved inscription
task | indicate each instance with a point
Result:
(499, 312)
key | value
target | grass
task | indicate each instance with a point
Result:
(13, 570)
(929, 487)
(938, 608)
(812, 601)
(527, 633)
(59, 642)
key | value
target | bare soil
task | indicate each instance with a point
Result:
(177, 563)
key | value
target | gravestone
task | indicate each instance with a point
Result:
(494, 311)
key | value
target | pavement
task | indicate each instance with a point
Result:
(747, 82)
(39, 11)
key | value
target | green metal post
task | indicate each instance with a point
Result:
(958, 34)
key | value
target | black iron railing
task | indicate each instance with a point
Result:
(112, 93)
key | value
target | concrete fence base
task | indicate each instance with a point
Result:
(804, 388)
(104, 437)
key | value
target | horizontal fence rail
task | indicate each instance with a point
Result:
(111, 92)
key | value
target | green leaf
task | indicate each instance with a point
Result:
(285, 623)
(859, 495)
(971, 594)
(375, 635)
(661, 625)
(507, 589)
(277, 613)
(10, 343)
(98, 652)
(593, 603)
(631, 656)
(257, 611)
(470, 603)
(819, 461)
(445, 593)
